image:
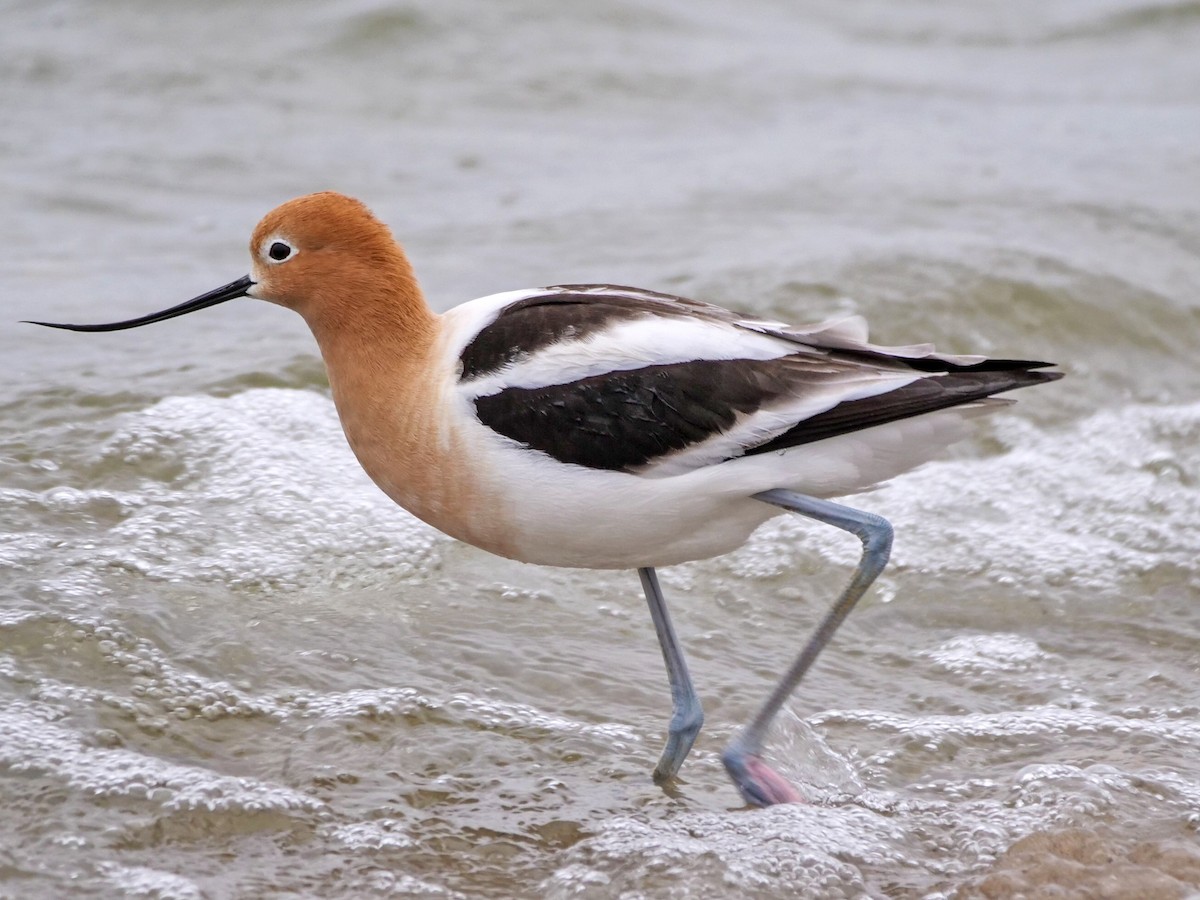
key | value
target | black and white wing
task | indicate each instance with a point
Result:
(630, 380)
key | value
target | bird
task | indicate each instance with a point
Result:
(598, 426)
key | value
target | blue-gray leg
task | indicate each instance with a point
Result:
(759, 784)
(686, 716)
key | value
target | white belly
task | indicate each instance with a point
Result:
(554, 514)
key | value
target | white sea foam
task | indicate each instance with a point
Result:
(254, 489)
(31, 742)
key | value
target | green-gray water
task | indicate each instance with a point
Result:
(229, 667)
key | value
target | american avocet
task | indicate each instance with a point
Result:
(608, 427)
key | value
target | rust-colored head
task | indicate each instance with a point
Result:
(327, 250)
(325, 256)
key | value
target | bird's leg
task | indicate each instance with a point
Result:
(759, 784)
(686, 715)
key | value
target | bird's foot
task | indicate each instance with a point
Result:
(759, 784)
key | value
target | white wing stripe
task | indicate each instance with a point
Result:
(648, 341)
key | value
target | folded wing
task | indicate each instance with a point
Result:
(630, 380)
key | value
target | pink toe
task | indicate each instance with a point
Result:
(770, 785)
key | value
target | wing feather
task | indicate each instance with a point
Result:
(624, 379)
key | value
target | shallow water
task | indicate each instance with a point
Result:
(231, 668)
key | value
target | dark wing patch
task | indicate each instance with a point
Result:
(626, 420)
(623, 420)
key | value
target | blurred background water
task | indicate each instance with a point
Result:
(230, 668)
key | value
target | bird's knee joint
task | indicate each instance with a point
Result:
(884, 533)
(877, 536)
(687, 721)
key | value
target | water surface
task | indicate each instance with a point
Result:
(231, 668)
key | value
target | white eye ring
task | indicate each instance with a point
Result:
(277, 250)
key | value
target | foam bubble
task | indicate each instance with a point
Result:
(140, 881)
(987, 654)
(380, 834)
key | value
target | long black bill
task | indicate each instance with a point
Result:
(229, 292)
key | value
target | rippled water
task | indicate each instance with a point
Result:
(231, 668)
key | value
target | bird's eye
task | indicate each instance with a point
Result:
(279, 251)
